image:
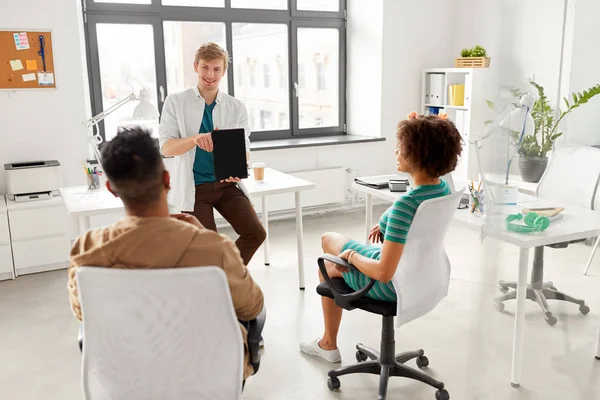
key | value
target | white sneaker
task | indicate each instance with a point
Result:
(313, 349)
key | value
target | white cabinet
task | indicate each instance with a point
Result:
(6, 259)
(39, 234)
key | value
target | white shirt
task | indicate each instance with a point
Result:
(181, 118)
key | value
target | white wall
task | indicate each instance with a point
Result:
(522, 38)
(364, 66)
(417, 34)
(47, 124)
(583, 125)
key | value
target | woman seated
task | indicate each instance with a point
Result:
(427, 148)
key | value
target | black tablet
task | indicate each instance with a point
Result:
(229, 153)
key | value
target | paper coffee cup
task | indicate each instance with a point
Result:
(259, 171)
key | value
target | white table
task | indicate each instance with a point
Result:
(577, 223)
(276, 182)
(82, 204)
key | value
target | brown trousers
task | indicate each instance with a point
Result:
(235, 207)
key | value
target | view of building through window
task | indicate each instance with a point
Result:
(275, 92)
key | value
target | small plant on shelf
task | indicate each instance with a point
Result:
(475, 57)
(477, 51)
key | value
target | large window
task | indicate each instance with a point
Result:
(287, 58)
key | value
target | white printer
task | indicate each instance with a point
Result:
(33, 180)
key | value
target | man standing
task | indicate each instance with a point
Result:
(187, 122)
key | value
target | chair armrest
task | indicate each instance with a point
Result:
(342, 300)
(255, 328)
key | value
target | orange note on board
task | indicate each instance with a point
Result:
(31, 65)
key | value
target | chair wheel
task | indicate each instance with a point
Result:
(499, 306)
(333, 383)
(360, 357)
(442, 394)
(551, 321)
(584, 309)
(422, 362)
(504, 289)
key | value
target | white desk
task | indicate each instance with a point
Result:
(577, 223)
(83, 204)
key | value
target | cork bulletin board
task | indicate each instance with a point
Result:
(26, 60)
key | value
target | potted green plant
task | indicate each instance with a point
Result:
(534, 148)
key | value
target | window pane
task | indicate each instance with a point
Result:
(319, 5)
(124, 1)
(318, 73)
(263, 4)
(182, 39)
(260, 57)
(118, 61)
(194, 3)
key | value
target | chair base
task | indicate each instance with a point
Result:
(540, 296)
(538, 290)
(387, 364)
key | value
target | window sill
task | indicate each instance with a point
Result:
(278, 144)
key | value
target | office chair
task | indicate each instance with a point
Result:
(571, 178)
(421, 282)
(161, 333)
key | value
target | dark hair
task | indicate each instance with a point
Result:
(430, 143)
(133, 165)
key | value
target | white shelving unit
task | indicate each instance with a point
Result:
(468, 118)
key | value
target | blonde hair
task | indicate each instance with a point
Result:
(211, 51)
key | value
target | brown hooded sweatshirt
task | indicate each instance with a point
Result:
(159, 242)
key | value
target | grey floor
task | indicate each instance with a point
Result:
(468, 343)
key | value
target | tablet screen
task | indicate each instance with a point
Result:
(229, 153)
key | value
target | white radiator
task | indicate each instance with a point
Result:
(330, 188)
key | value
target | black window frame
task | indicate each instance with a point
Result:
(156, 14)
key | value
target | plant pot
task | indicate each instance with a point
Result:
(532, 168)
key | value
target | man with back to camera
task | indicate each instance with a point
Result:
(148, 237)
(187, 122)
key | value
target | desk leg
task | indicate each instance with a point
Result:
(85, 224)
(265, 218)
(517, 356)
(368, 215)
(300, 239)
(598, 346)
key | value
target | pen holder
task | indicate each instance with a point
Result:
(93, 181)
(476, 203)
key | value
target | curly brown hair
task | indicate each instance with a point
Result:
(430, 144)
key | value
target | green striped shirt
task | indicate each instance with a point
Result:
(396, 220)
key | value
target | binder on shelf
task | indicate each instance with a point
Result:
(436, 89)
(456, 95)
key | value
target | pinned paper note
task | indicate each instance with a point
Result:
(16, 65)
(21, 41)
(28, 77)
(31, 65)
(45, 79)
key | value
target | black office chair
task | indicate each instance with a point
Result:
(384, 363)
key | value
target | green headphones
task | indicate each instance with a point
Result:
(533, 223)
